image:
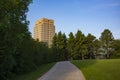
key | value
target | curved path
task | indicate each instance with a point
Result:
(63, 71)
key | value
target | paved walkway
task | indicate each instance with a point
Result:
(63, 71)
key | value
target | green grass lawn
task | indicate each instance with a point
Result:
(108, 69)
(35, 74)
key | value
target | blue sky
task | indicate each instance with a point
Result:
(89, 16)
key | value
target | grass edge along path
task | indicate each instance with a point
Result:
(107, 69)
(37, 73)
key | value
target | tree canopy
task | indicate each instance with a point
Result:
(79, 46)
(19, 53)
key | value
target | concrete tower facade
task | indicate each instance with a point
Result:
(44, 30)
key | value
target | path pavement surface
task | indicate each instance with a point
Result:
(63, 71)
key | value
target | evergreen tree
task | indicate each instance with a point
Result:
(79, 49)
(96, 46)
(60, 45)
(65, 52)
(116, 49)
(71, 45)
(89, 43)
(106, 39)
(55, 47)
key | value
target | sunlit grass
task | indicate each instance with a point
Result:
(108, 69)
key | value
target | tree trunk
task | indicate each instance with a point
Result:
(82, 57)
(107, 54)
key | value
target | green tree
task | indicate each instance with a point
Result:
(54, 41)
(55, 47)
(96, 46)
(19, 53)
(106, 39)
(79, 45)
(89, 43)
(13, 29)
(65, 52)
(71, 45)
(60, 46)
(83, 50)
(116, 49)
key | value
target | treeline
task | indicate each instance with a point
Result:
(82, 47)
(19, 53)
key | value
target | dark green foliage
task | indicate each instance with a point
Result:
(116, 49)
(55, 47)
(19, 53)
(83, 47)
(71, 45)
(59, 47)
(75, 47)
(106, 42)
(96, 46)
(90, 45)
(34, 75)
(13, 30)
(79, 49)
(64, 49)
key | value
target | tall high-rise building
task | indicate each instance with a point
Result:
(44, 30)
